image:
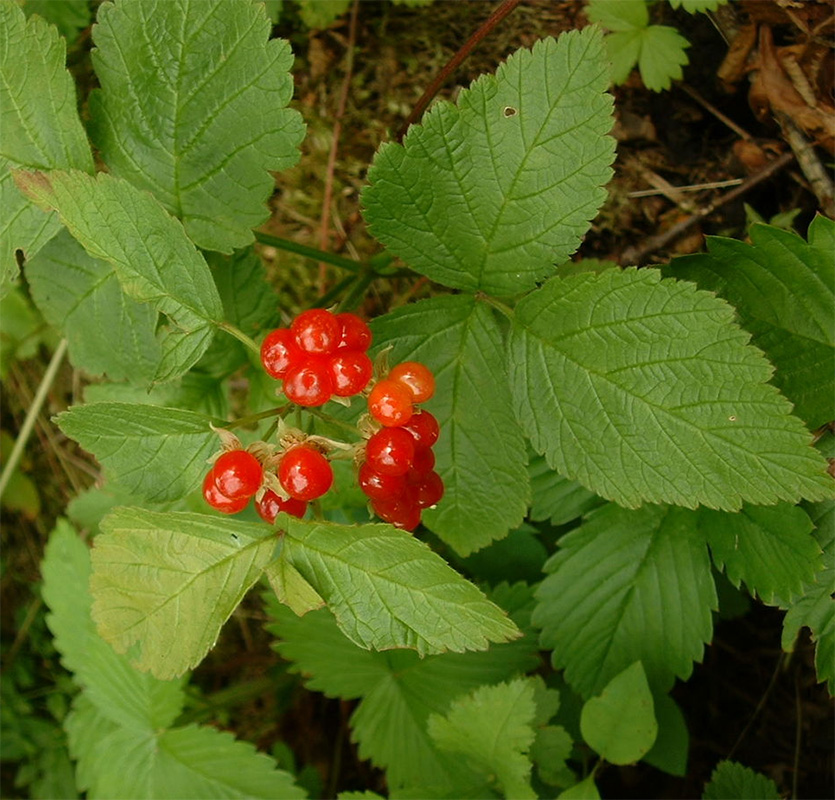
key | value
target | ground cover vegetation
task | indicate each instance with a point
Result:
(410, 399)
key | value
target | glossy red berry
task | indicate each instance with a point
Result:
(377, 486)
(423, 461)
(316, 331)
(390, 403)
(270, 504)
(429, 490)
(390, 451)
(218, 501)
(400, 511)
(279, 352)
(309, 383)
(417, 377)
(305, 473)
(350, 370)
(356, 335)
(424, 428)
(237, 473)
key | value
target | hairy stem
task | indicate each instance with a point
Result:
(240, 336)
(309, 252)
(32, 414)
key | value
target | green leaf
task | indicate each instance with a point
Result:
(784, 292)
(200, 120)
(732, 780)
(193, 761)
(491, 728)
(491, 193)
(517, 557)
(399, 689)
(122, 695)
(670, 751)
(771, 549)
(69, 16)
(662, 56)
(388, 589)
(154, 260)
(584, 790)
(164, 584)
(617, 15)
(557, 498)
(41, 128)
(696, 6)
(816, 608)
(643, 389)
(318, 14)
(21, 329)
(80, 295)
(620, 724)
(550, 750)
(291, 588)
(627, 586)
(158, 454)
(624, 49)
(481, 452)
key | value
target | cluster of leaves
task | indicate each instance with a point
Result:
(657, 50)
(663, 415)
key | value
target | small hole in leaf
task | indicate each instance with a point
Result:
(510, 111)
(732, 418)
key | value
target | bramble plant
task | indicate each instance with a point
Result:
(656, 421)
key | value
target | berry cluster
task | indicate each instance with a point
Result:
(303, 474)
(320, 355)
(398, 473)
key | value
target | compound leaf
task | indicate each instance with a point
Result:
(557, 498)
(157, 454)
(388, 589)
(732, 780)
(670, 751)
(123, 695)
(80, 295)
(620, 723)
(615, 15)
(770, 548)
(492, 729)
(784, 291)
(398, 689)
(318, 14)
(41, 128)
(154, 260)
(695, 6)
(481, 452)
(164, 584)
(69, 16)
(193, 107)
(662, 56)
(643, 389)
(491, 193)
(627, 586)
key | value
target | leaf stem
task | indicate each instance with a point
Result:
(333, 420)
(497, 304)
(32, 414)
(309, 252)
(253, 418)
(240, 336)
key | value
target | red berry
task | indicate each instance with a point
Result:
(424, 428)
(309, 383)
(429, 490)
(356, 335)
(390, 451)
(380, 487)
(316, 331)
(423, 462)
(401, 511)
(279, 352)
(218, 501)
(237, 473)
(270, 504)
(305, 473)
(351, 370)
(390, 403)
(417, 377)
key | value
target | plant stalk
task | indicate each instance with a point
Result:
(32, 414)
(309, 252)
(240, 336)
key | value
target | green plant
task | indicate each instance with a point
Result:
(625, 431)
(657, 50)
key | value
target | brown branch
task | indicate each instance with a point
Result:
(636, 255)
(491, 22)
(324, 220)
